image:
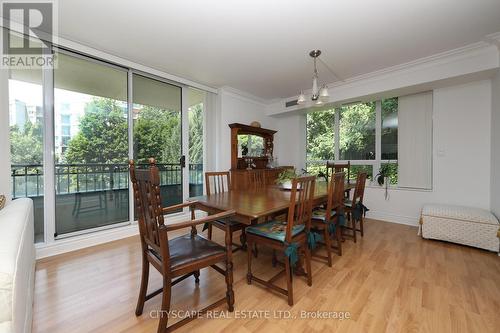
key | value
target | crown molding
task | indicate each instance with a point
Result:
(240, 94)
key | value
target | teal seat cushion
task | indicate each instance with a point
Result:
(319, 214)
(274, 230)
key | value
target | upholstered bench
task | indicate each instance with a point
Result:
(463, 225)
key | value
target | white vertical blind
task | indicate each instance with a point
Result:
(415, 141)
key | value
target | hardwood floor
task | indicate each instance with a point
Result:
(391, 280)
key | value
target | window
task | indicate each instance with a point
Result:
(357, 131)
(349, 133)
(83, 171)
(157, 132)
(26, 140)
(91, 166)
(196, 114)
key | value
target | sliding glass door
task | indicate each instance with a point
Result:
(157, 116)
(74, 128)
(90, 144)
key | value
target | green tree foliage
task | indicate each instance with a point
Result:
(196, 134)
(157, 133)
(26, 145)
(320, 135)
(357, 131)
(102, 136)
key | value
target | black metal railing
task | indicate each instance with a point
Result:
(27, 179)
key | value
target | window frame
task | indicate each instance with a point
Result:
(375, 163)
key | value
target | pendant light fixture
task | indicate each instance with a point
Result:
(318, 95)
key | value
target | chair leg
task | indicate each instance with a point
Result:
(229, 285)
(328, 245)
(353, 225)
(144, 286)
(209, 233)
(249, 262)
(197, 277)
(243, 239)
(361, 226)
(289, 282)
(275, 259)
(338, 234)
(308, 264)
(165, 305)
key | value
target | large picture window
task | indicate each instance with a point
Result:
(350, 133)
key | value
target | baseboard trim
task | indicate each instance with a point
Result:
(87, 240)
(393, 218)
(79, 242)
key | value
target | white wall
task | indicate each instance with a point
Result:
(495, 146)
(236, 107)
(291, 140)
(5, 187)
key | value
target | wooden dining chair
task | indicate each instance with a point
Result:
(289, 238)
(176, 258)
(330, 220)
(219, 182)
(332, 167)
(355, 208)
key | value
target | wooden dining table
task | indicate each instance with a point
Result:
(252, 205)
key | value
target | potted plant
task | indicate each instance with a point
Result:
(285, 178)
(383, 174)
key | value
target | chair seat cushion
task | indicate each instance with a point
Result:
(186, 249)
(320, 214)
(274, 230)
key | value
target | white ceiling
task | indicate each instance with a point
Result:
(262, 47)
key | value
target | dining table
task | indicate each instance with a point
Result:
(256, 204)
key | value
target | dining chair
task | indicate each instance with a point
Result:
(355, 208)
(176, 258)
(330, 220)
(289, 238)
(219, 182)
(332, 167)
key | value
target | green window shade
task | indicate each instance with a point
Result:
(91, 78)
(155, 93)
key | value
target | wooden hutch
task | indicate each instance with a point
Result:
(239, 165)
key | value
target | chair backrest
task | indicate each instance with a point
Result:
(146, 186)
(256, 179)
(332, 167)
(359, 190)
(335, 199)
(301, 200)
(217, 182)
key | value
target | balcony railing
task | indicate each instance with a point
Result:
(27, 179)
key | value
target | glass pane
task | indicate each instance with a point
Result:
(361, 168)
(26, 140)
(250, 145)
(157, 133)
(316, 168)
(390, 129)
(320, 135)
(91, 146)
(357, 131)
(196, 111)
